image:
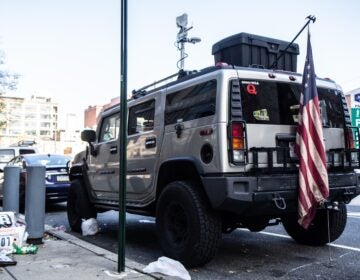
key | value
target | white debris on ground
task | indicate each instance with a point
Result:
(168, 267)
(89, 227)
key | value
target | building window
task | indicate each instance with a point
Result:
(45, 125)
(44, 132)
(30, 132)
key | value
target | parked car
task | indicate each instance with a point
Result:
(56, 177)
(8, 153)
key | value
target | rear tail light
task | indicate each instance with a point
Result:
(237, 142)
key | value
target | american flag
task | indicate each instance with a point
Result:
(310, 148)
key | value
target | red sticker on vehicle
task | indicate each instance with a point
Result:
(251, 89)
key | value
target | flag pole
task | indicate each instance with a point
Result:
(310, 19)
(123, 137)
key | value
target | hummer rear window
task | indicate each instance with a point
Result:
(265, 102)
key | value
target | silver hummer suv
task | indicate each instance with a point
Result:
(213, 151)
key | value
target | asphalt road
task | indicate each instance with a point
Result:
(269, 254)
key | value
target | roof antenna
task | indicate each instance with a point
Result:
(181, 22)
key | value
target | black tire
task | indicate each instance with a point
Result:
(188, 230)
(317, 232)
(78, 205)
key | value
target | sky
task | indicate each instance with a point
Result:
(70, 49)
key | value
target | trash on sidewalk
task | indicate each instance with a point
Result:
(24, 250)
(60, 228)
(12, 231)
(89, 227)
(6, 260)
(168, 267)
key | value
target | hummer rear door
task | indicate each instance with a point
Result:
(144, 138)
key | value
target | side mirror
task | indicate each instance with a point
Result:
(88, 135)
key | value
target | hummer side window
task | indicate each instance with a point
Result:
(191, 103)
(110, 128)
(141, 117)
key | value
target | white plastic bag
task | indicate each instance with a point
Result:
(168, 267)
(89, 227)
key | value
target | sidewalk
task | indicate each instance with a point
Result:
(63, 256)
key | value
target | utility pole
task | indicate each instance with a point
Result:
(123, 138)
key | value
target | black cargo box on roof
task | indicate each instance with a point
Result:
(246, 49)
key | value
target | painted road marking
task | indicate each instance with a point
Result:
(288, 237)
(354, 214)
(332, 245)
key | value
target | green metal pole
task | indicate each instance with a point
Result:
(123, 138)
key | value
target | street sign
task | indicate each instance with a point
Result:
(355, 121)
(355, 116)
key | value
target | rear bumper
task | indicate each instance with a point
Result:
(269, 194)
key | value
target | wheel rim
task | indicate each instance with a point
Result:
(177, 225)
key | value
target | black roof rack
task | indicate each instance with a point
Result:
(182, 75)
(142, 91)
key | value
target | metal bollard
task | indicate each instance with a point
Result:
(35, 203)
(11, 188)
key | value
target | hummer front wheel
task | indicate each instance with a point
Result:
(78, 205)
(188, 229)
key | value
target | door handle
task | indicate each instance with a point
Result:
(150, 142)
(179, 128)
(113, 150)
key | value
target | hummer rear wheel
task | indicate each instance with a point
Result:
(318, 233)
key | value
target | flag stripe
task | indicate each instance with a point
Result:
(310, 156)
(316, 162)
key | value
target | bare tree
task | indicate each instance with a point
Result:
(8, 82)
